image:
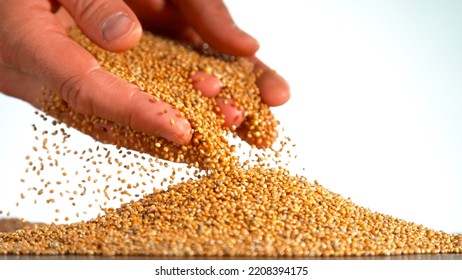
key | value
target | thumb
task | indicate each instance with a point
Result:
(111, 24)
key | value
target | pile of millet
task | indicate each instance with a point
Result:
(230, 206)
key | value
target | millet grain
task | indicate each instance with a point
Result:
(233, 209)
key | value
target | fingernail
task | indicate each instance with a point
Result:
(117, 26)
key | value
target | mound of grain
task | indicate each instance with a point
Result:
(254, 212)
(235, 209)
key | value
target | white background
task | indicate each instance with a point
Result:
(375, 109)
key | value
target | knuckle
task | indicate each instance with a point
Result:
(88, 10)
(131, 110)
(72, 92)
(77, 96)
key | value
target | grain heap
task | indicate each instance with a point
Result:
(235, 209)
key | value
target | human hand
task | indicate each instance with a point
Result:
(35, 51)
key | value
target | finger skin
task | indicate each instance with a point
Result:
(274, 89)
(111, 24)
(233, 115)
(77, 77)
(197, 21)
(207, 84)
(212, 21)
(19, 85)
(158, 16)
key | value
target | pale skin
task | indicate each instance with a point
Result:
(35, 51)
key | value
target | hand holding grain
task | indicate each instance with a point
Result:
(35, 52)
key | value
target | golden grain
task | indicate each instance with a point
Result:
(236, 208)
